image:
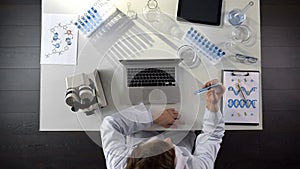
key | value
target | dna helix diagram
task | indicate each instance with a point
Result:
(241, 103)
(236, 92)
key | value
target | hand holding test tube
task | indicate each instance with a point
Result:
(206, 89)
(212, 96)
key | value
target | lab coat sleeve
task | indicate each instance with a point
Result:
(114, 130)
(208, 142)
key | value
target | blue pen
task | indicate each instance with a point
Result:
(206, 89)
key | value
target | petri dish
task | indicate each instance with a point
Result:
(189, 56)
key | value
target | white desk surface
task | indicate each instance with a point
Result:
(55, 115)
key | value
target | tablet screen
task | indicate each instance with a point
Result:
(200, 11)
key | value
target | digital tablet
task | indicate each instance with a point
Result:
(200, 11)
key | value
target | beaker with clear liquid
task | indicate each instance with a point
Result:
(237, 16)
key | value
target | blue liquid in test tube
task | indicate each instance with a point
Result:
(96, 13)
(93, 16)
(90, 20)
(223, 53)
(199, 41)
(86, 22)
(189, 33)
(206, 46)
(216, 49)
(210, 50)
(84, 26)
(79, 27)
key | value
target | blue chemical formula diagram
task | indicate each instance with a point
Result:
(61, 38)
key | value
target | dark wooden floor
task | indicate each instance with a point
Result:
(23, 146)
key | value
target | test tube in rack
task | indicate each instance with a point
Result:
(213, 54)
(95, 16)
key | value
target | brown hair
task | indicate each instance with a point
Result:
(153, 155)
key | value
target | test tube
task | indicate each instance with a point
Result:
(93, 16)
(196, 37)
(199, 41)
(206, 47)
(80, 28)
(86, 22)
(90, 19)
(210, 50)
(189, 34)
(96, 13)
(193, 34)
(84, 26)
(221, 53)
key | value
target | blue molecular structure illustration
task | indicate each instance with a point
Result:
(62, 38)
(237, 91)
(236, 103)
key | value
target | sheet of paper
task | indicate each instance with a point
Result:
(59, 39)
(241, 98)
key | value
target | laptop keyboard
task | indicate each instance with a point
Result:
(143, 77)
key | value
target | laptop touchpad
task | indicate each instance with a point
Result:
(155, 96)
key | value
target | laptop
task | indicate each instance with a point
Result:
(152, 80)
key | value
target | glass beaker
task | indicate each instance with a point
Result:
(237, 16)
(151, 11)
(241, 34)
(131, 13)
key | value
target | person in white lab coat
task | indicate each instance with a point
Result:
(127, 146)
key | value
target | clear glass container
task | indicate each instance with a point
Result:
(151, 11)
(189, 56)
(238, 16)
(241, 34)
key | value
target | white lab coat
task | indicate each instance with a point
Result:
(122, 131)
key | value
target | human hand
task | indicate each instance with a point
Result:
(214, 95)
(166, 118)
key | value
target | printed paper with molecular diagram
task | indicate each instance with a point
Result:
(59, 39)
(241, 99)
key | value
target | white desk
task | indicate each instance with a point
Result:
(55, 115)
